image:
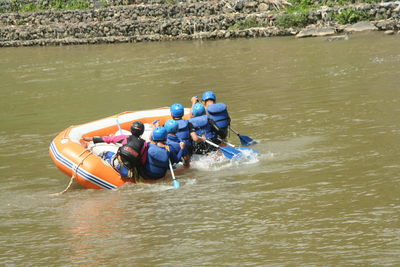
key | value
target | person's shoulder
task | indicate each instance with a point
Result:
(190, 126)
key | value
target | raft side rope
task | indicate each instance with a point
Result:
(75, 172)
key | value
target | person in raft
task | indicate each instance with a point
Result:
(175, 144)
(130, 156)
(186, 132)
(203, 128)
(217, 113)
(158, 156)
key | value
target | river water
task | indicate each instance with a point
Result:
(323, 192)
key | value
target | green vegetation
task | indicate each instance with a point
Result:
(315, 3)
(170, 2)
(16, 5)
(297, 15)
(29, 8)
(351, 15)
(293, 19)
(246, 24)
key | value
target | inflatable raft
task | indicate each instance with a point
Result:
(84, 164)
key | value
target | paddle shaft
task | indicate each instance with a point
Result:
(228, 152)
(119, 126)
(211, 143)
(234, 131)
(244, 140)
(227, 143)
(240, 148)
(174, 181)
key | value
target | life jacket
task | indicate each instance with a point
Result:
(219, 114)
(173, 143)
(157, 161)
(109, 157)
(183, 131)
(202, 126)
(130, 153)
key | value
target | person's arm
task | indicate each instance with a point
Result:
(173, 157)
(182, 152)
(193, 134)
(106, 139)
(196, 138)
(113, 139)
(85, 140)
(176, 156)
(194, 100)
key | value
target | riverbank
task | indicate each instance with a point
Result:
(191, 20)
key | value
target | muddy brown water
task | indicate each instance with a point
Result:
(323, 192)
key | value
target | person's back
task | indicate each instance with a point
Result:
(202, 128)
(218, 114)
(157, 162)
(183, 133)
(130, 155)
(176, 146)
(133, 153)
(158, 156)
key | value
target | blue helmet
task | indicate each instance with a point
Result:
(209, 95)
(177, 110)
(198, 110)
(171, 126)
(159, 134)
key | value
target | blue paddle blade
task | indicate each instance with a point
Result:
(246, 141)
(230, 152)
(176, 184)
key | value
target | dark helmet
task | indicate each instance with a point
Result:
(198, 110)
(209, 95)
(177, 110)
(137, 128)
(159, 134)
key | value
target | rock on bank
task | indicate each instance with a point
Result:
(184, 21)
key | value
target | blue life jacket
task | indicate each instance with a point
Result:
(109, 157)
(202, 126)
(157, 162)
(219, 114)
(183, 131)
(173, 143)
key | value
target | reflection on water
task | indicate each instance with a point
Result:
(323, 191)
(87, 222)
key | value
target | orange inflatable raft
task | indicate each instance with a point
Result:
(88, 169)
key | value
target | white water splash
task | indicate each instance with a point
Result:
(216, 161)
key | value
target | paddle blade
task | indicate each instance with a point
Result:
(246, 141)
(176, 184)
(230, 152)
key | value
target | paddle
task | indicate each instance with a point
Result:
(244, 140)
(175, 183)
(229, 152)
(240, 147)
(119, 126)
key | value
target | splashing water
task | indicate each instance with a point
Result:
(216, 161)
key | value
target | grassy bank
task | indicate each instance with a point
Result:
(295, 9)
(18, 6)
(290, 14)
(296, 14)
